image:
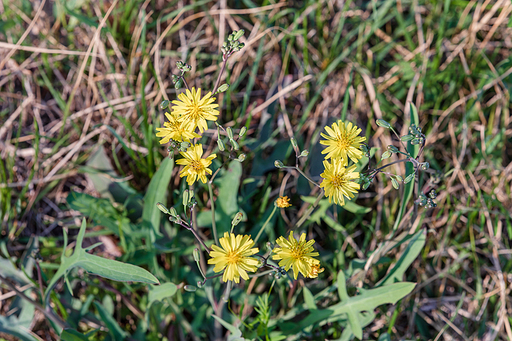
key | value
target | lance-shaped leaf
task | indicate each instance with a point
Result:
(350, 307)
(103, 267)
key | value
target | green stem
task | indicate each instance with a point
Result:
(201, 270)
(264, 225)
(303, 174)
(310, 209)
(214, 225)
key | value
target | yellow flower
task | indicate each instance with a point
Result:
(297, 254)
(283, 202)
(195, 166)
(343, 141)
(337, 181)
(192, 108)
(234, 256)
(315, 270)
(176, 130)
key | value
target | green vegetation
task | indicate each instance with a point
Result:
(81, 90)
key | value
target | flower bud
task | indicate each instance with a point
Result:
(199, 284)
(395, 183)
(237, 219)
(221, 145)
(178, 84)
(294, 142)
(230, 132)
(278, 164)
(196, 254)
(164, 104)
(162, 208)
(406, 138)
(425, 166)
(184, 145)
(241, 157)
(172, 211)
(222, 88)
(304, 153)
(393, 149)
(409, 178)
(382, 123)
(385, 155)
(238, 34)
(185, 197)
(190, 288)
(242, 131)
(234, 144)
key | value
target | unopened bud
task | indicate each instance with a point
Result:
(238, 34)
(425, 166)
(230, 132)
(184, 145)
(196, 255)
(278, 164)
(221, 145)
(234, 144)
(382, 123)
(294, 142)
(178, 84)
(164, 104)
(386, 154)
(190, 288)
(242, 131)
(172, 211)
(241, 158)
(304, 153)
(199, 284)
(185, 197)
(162, 208)
(393, 149)
(222, 88)
(237, 219)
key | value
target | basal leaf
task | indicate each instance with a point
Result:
(408, 256)
(97, 265)
(156, 192)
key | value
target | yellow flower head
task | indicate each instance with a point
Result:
(194, 109)
(343, 141)
(337, 181)
(283, 202)
(315, 270)
(195, 166)
(176, 130)
(297, 254)
(234, 256)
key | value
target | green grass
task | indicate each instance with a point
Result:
(457, 83)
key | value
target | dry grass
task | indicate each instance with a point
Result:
(62, 84)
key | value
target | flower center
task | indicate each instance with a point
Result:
(343, 142)
(297, 252)
(234, 257)
(338, 180)
(196, 165)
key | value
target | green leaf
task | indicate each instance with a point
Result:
(413, 150)
(160, 292)
(236, 334)
(309, 299)
(157, 189)
(10, 326)
(410, 253)
(113, 327)
(72, 335)
(368, 300)
(103, 267)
